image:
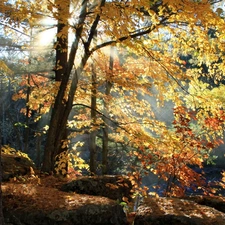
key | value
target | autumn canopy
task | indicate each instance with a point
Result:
(109, 71)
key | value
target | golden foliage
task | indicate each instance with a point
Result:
(70, 163)
(5, 70)
(150, 38)
(6, 149)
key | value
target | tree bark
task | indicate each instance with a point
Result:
(92, 145)
(61, 45)
(61, 59)
(27, 129)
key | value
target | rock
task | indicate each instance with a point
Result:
(215, 202)
(88, 214)
(162, 211)
(40, 205)
(15, 165)
(113, 187)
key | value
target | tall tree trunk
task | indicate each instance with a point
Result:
(27, 129)
(93, 134)
(105, 140)
(92, 144)
(63, 104)
(38, 144)
(58, 129)
(61, 58)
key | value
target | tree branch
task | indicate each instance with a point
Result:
(18, 31)
(165, 68)
(94, 27)
(118, 124)
(132, 35)
(100, 113)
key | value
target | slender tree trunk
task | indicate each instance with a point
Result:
(92, 145)
(27, 129)
(93, 134)
(105, 140)
(38, 145)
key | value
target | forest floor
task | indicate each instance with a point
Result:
(43, 192)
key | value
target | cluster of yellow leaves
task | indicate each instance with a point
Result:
(70, 163)
(211, 115)
(138, 190)
(6, 149)
(41, 95)
(20, 11)
(5, 70)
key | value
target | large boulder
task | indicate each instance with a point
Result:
(42, 205)
(113, 187)
(15, 165)
(216, 202)
(111, 214)
(162, 211)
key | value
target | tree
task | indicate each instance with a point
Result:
(62, 106)
(160, 32)
(93, 133)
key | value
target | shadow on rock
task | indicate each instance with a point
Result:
(113, 187)
(14, 165)
(162, 211)
(88, 214)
